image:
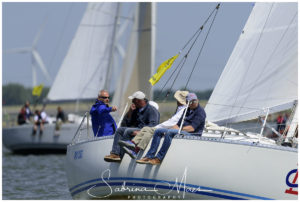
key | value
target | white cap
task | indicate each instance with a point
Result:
(138, 95)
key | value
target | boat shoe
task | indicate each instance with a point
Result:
(155, 161)
(144, 160)
(112, 158)
(131, 153)
(127, 144)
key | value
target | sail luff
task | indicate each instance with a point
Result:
(262, 70)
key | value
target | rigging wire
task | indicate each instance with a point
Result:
(202, 46)
(183, 60)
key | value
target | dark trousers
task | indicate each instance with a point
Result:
(122, 133)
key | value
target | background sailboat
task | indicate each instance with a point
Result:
(84, 71)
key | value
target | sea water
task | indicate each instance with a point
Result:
(33, 176)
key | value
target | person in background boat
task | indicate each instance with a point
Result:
(44, 116)
(60, 118)
(102, 122)
(27, 110)
(142, 139)
(281, 123)
(193, 122)
(139, 115)
(38, 122)
(22, 116)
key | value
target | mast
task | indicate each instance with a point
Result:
(112, 49)
(139, 61)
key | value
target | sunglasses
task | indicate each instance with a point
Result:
(104, 97)
(193, 101)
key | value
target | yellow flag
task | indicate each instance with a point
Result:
(162, 69)
(37, 90)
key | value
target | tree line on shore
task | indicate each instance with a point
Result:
(17, 94)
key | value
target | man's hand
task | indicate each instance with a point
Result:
(175, 127)
(113, 108)
(134, 133)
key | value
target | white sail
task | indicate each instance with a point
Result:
(139, 61)
(262, 70)
(84, 69)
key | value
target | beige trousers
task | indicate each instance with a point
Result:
(143, 138)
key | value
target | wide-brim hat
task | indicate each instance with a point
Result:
(180, 96)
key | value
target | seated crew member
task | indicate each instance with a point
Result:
(139, 115)
(193, 122)
(142, 139)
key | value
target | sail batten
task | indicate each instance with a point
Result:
(262, 70)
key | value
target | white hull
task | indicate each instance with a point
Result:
(204, 168)
(19, 139)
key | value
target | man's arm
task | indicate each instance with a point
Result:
(188, 128)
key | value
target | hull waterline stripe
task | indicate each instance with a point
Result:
(158, 186)
(170, 182)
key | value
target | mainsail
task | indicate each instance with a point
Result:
(261, 73)
(84, 69)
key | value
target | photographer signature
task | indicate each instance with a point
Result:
(178, 186)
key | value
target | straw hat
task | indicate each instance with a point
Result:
(180, 96)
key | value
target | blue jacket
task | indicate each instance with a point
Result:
(102, 122)
(195, 118)
(148, 116)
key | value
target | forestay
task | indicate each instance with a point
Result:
(262, 70)
(84, 69)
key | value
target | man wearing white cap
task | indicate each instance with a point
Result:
(192, 123)
(142, 139)
(139, 115)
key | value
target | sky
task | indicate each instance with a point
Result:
(176, 22)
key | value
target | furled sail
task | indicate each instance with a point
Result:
(262, 70)
(85, 67)
(139, 60)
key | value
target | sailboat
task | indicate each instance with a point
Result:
(259, 78)
(83, 73)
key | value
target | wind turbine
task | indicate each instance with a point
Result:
(36, 60)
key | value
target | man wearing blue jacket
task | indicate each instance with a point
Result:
(102, 122)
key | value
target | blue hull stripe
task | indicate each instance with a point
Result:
(161, 186)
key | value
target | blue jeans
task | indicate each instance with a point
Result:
(122, 133)
(158, 134)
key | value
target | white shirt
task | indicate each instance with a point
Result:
(44, 116)
(173, 120)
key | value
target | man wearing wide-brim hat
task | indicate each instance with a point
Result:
(142, 139)
(192, 122)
